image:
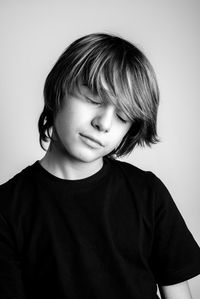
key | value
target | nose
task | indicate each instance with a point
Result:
(103, 119)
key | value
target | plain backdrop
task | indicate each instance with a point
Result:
(34, 33)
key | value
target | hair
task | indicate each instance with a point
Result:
(118, 72)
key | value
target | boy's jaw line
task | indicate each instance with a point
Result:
(66, 168)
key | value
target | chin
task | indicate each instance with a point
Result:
(85, 155)
(89, 158)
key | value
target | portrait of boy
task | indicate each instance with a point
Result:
(79, 223)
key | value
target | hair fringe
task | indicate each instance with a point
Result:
(119, 73)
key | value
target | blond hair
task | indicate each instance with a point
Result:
(118, 72)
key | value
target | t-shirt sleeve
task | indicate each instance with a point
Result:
(11, 285)
(175, 254)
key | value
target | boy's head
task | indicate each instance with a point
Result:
(114, 70)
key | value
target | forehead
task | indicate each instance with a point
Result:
(83, 88)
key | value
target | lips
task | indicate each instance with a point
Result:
(93, 139)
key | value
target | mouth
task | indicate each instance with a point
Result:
(94, 140)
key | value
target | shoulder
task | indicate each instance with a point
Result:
(16, 179)
(127, 168)
(147, 185)
(10, 191)
(136, 175)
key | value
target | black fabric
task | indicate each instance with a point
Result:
(116, 234)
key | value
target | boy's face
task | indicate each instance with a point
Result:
(88, 129)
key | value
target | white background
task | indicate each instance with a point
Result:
(34, 33)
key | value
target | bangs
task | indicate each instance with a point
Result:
(114, 70)
(110, 78)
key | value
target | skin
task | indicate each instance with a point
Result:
(176, 291)
(73, 155)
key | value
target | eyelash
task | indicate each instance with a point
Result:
(93, 102)
(99, 103)
(123, 120)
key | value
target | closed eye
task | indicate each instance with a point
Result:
(123, 117)
(92, 101)
(98, 103)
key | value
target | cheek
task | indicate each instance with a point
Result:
(62, 127)
(122, 131)
(117, 137)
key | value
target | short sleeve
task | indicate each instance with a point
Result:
(10, 269)
(175, 253)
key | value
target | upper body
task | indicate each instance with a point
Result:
(79, 224)
(114, 234)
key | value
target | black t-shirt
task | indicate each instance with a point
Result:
(116, 234)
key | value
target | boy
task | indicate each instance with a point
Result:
(78, 223)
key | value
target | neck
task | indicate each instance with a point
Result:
(64, 167)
